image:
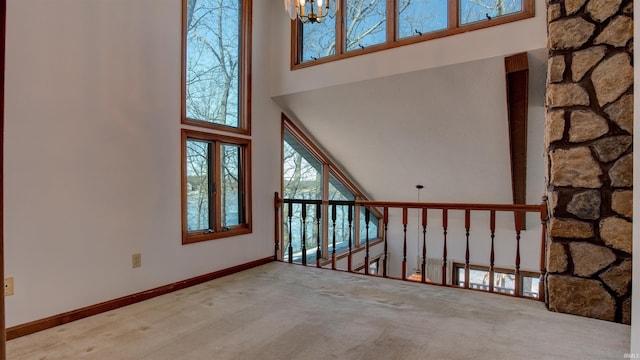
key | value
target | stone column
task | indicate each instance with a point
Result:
(589, 154)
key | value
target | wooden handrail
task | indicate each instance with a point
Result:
(519, 211)
(453, 206)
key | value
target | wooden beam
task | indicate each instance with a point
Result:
(517, 81)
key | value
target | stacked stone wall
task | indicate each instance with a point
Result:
(588, 142)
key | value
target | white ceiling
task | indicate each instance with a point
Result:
(444, 128)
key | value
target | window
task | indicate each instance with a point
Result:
(419, 17)
(319, 39)
(216, 171)
(215, 186)
(341, 229)
(366, 23)
(302, 177)
(312, 186)
(302, 172)
(503, 280)
(370, 228)
(482, 10)
(365, 26)
(216, 58)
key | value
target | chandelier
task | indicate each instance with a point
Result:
(308, 11)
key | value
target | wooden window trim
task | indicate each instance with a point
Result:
(244, 126)
(303, 139)
(454, 276)
(245, 228)
(327, 164)
(454, 28)
(371, 261)
(517, 91)
(495, 269)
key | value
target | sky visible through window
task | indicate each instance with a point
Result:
(213, 61)
(365, 22)
(478, 10)
(418, 17)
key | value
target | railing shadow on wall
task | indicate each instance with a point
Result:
(435, 222)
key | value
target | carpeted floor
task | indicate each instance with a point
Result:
(281, 311)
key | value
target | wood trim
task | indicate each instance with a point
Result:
(455, 206)
(344, 253)
(340, 35)
(246, 75)
(183, 61)
(371, 261)
(460, 265)
(453, 17)
(528, 11)
(391, 22)
(315, 150)
(246, 227)
(281, 196)
(328, 167)
(3, 24)
(356, 250)
(517, 83)
(73, 315)
(300, 135)
(517, 284)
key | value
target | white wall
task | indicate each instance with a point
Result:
(92, 154)
(495, 41)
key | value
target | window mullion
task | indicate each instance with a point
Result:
(454, 19)
(391, 20)
(296, 41)
(216, 181)
(340, 31)
(241, 188)
(325, 210)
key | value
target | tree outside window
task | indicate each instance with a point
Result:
(213, 62)
(215, 186)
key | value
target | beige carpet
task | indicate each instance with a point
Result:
(281, 311)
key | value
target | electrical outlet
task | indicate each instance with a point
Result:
(8, 286)
(136, 260)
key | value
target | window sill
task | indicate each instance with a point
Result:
(198, 236)
(344, 253)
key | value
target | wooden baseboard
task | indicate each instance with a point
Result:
(73, 315)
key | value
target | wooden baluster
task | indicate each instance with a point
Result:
(319, 238)
(424, 245)
(543, 250)
(467, 225)
(290, 216)
(492, 257)
(366, 233)
(350, 220)
(276, 206)
(304, 234)
(404, 248)
(385, 219)
(516, 291)
(333, 251)
(444, 250)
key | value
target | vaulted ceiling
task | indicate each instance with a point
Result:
(445, 128)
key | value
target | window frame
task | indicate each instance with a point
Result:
(392, 39)
(328, 167)
(189, 237)
(244, 100)
(517, 292)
